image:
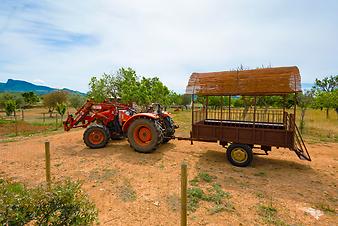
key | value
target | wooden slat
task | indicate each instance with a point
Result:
(265, 81)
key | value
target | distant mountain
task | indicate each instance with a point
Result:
(22, 86)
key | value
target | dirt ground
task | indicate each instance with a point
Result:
(130, 188)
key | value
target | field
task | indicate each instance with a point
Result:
(130, 188)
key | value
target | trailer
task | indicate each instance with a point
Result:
(240, 130)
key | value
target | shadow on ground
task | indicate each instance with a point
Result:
(121, 151)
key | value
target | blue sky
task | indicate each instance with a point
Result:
(63, 43)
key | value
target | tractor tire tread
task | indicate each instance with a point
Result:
(89, 129)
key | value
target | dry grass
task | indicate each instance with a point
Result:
(318, 128)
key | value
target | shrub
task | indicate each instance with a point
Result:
(16, 204)
(10, 107)
(64, 204)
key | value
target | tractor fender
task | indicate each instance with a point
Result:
(166, 114)
(137, 116)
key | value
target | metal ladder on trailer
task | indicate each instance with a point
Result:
(299, 146)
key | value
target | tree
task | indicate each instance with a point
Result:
(327, 84)
(10, 106)
(76, 100)
(326, 100)
(186, 100)
(108, 86)
(126, 85)
(325, 92)
(96, 87)
(61, 109)
(152, 90)
(129, 87)
(304, 100)
(30, 98)
(51, 100)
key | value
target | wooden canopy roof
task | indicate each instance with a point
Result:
(264, 81)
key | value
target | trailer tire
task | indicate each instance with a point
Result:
(144, 135)
(96, 136)
(239, 155)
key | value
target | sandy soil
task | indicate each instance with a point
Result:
(110, 174)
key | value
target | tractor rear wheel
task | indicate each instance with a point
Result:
(96, 136)
(239, 154)
(169, 129)
(144, 135)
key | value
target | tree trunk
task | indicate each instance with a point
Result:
(327, 113)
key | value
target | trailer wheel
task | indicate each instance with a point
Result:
(239, 155)
(144, 135)
(96, 136)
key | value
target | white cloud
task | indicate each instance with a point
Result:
(66, 42)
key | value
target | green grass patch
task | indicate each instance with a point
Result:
(214, 194)
(268, 214)
(260, 195)
(205, 177)
(3, 121)
(202, 177)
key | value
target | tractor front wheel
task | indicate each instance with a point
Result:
(144, 135)
(96, 136)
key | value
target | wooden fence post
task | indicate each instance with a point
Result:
(183, 194)
(56, 121)
(47, 154)
(16, 123)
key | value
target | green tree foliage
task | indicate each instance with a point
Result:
(64, 204)
(51, 100)
(97, 89)
(107, 86)
(126, 85)
(152, 90)
(10, 107)
(76, 100)
(327, 84)
(325, 92)
(61, 109)
(30, 98)
(175, 99)
(186, 99)
(304, 101)
(129, 88)
(16, 97)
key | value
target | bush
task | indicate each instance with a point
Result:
(16, 204)
(10, 107)
(64, 204)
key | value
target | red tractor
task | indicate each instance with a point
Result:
(113, 120)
